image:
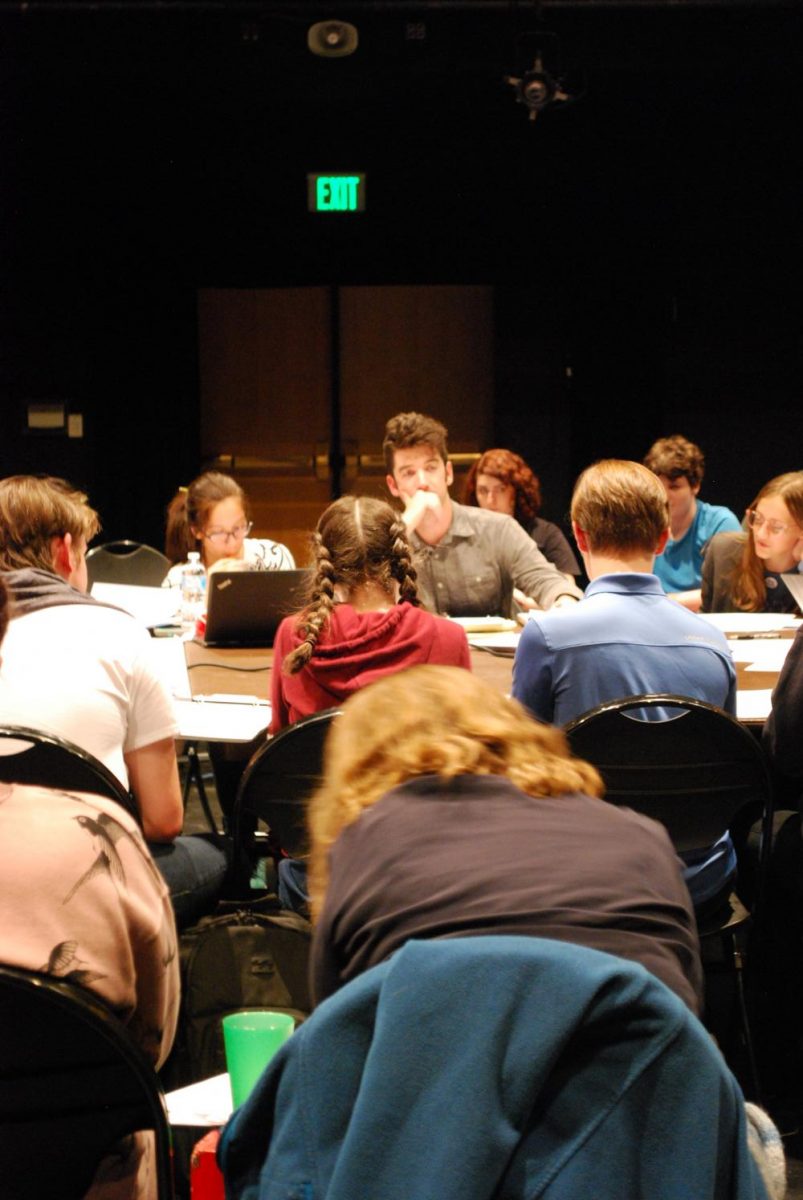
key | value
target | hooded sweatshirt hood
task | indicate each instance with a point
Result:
(356, 649)
(32, 589)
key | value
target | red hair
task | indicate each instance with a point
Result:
(511, 470)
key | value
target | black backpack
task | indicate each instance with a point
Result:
(250, 958)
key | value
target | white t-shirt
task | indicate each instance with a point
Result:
(86, 673)
(261, 554)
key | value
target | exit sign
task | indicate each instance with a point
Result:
(336, 193)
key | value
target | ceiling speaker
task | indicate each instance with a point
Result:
(332, 39)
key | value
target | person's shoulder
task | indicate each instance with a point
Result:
(695, 628)
(173, 576)
(716, 518)
(728, 542)
(467, 516)
(273, 556)
(445, 628)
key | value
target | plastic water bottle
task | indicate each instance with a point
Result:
(193, 593)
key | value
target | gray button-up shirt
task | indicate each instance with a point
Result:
(482, 556)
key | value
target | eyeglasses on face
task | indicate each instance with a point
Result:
(756, 520)
(221, 536)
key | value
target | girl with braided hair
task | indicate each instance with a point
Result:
(363, 619)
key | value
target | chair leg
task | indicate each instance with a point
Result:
(744, 1020)
(195, 776)
(727, 1014)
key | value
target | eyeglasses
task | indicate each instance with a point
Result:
(756, 520)
(221, 536)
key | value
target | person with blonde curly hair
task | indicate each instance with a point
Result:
(501, 481)
(363, 619)
(744, 571)
(447, 811)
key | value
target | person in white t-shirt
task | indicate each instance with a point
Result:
(84, 671)
(212, 517)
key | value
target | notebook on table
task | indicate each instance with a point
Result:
(244, 608)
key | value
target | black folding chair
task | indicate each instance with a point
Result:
(72, 1083)
(274, 790)
(127, 562)
(44, 760)
(694, 772)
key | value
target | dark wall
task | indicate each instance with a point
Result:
(644, 241)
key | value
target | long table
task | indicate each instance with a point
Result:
(247, 672)
(223, 693)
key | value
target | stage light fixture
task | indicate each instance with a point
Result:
(537, 89)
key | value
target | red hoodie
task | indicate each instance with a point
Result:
(355, 649)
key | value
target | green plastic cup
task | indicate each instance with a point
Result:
(251, 1040)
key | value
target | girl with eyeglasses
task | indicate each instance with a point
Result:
(212, 516)
(743, 571)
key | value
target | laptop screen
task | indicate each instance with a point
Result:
(244, 608)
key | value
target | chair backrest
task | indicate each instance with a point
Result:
(72, 1082)
(693, 772)
(127, 562)
(45, 760)
(279, 780)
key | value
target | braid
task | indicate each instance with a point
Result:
(402, 568)
(316, 615)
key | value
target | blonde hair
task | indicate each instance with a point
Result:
(749, 590)
(620, 505)
(430, 721)
(33, 511)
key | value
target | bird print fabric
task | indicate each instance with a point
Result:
(81, 899)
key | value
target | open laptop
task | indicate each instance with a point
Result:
(244, 608)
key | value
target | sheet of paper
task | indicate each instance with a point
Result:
(497, 643)
(171, 663)
(221, 722)
(753, 705)
(199, 1104)
(738, 622)
(150, 605)
(760, 654)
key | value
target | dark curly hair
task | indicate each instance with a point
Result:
(413, 429)
(676, 457)
(512, 470)
(357, 539)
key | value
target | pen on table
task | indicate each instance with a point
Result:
(749, 637)
(251, 701)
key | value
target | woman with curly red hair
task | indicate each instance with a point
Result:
(502, 482)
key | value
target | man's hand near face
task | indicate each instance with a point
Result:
(416, 506)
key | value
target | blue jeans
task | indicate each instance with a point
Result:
(193, 867)
(292, 885)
